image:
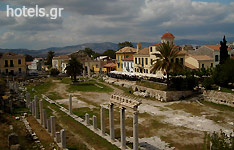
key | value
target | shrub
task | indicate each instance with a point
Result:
(54, 72)
(207, 83)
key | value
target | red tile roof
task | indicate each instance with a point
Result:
(190, 66)
(202, 57)
(215, 47)
(156, 44)
(128, 59)
(167, 35)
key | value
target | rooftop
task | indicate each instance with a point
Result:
(144, 51)
(128, 59)
(202, 57)
(167, 35)
(126, 50)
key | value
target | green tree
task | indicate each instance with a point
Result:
(125, 44)
(110, 53)
(165, 61)
(50, 56)
(96, 55)
(74, 68)
(223, 51)
(54, 72)
(28, 58)
(89, 51)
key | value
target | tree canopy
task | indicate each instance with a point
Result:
(50, 56)
(110, 53)
(223, 51)
(125, 44)
(74, 68)
(89, 51)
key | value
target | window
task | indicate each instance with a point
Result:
(146, 61)
(139, 60)
(211, 65)
(216, 58)
(122, 66)
(135, 60)
(151, 49)
(142, 61)
(182, 61)
(121, 57)
(151, 61)
(19, 61)
(177, 60)
(203, 65)
(127, 56)
(146, 70)
(20, 70)
(135, 70)
(172, 60)
(6, 63)
(118, 65)
(6, 71)
(11, 63)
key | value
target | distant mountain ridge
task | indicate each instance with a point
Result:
(97, 47)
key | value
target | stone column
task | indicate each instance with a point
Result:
(63, 138)
(30, 107)
(36, 107)
(102, 111)
(27, 99)
(70, 104)
(111, 122)
(49, 125)
(45, 118)
(94, 122)
(84, 73)
(122, 127)
(135, 130)
(52, 121)
(87, 119)
(41, 111)
(57, 137)
(88, 71)
(33, 108)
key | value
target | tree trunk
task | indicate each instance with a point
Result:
(168, 81)
(75, 77)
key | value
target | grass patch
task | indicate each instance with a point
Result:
(226, 90)
(152, 85)
(66, 80)
(220, 107)
(192, 108)
(89, 86)
(54, 96)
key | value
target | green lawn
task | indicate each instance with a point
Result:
(152, 85)
(226, 90)
(54, 96)
(89, 86)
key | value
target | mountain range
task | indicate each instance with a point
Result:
(97, 47)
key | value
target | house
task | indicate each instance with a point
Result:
(60, 62)
(35, 65)
(128, 65)
(198, 62)
(122, 54)
(110, 67)
(212, 51)
(103, 60)
(142, 62)
(13, 64)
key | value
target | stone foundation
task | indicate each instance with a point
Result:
(219, 97)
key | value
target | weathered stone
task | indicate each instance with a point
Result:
(87, 119)
(41, 111)
(13, 139)
(52, 121)
(102, 111)
(44, 118)
(57, 137)
(70, 104)
(63, 138)
(15, 147)
(135, 130)
(94, 122)
(49, 125)
(111, 121)
(122, 128)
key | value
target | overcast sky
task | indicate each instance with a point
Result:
(116, 21)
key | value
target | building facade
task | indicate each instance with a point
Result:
(128, 64)
(198, 62)
(13, 64)
(122, 54)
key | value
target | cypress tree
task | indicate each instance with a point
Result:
(223, 51)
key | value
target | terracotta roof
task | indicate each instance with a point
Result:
(110, 65)
(62, 57)
(126, 50)
(202, 57)
(215, 47)
(130, 58)
(144, 51)
(156, 44)
(28, 63)
(167, 35)
(190, 66)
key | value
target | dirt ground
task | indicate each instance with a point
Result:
(173, 125)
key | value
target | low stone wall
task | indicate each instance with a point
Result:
(219, 97)
(163, 96)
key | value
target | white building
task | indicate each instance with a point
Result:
(128, 64)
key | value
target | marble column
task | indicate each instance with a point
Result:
(135, 130)
(88, 71)
(63, 138)
(84, 73)
(57, 137)
(111, 122)
(122, 127)
(30, 107)
(33, 108)
(102, 111)
(44, 119)
(36, 107)
(87, 119)
(70, 104)
(52, 121)
(49, 125)
(27, 99)
(41, 111)
(94, 122)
